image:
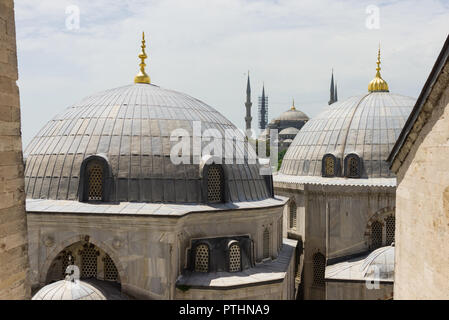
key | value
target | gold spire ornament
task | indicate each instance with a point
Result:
(378, 84)
(293, 106)
(142, 76)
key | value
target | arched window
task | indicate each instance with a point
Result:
(353, 164)
(293, 209)
(390, 227)
(319, 268)
(89, 256)
(329, 166)
(202, 258)
(235, 264)
(95, 180)
(110, 270)
(266, 243)
(215, 184)
(376, 235)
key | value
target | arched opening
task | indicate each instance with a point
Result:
(319, 268)
(202, 258)
(91, 260)
(353, 166)
(235, 258)
(329, 166)
(94, 177)
(215, 184)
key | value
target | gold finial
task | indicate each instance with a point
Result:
(293, 105)
(378, 84)
(142, 76)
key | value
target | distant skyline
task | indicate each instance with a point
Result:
(205, 47)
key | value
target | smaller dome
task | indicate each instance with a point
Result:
(69, 289)
(289, 131)
(292, 115)
(287, 141)
(379, 264)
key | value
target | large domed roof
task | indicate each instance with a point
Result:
(131, 126)
(367, 125)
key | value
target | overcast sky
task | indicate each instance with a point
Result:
(205, 47)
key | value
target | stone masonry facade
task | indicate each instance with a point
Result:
(13, 230)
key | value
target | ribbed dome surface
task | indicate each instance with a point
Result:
(69, 290)
(131, 126)
(367, 125)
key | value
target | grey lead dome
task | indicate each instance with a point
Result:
(367, 125)
(131, 126)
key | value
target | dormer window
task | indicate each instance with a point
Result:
(329, 166)
(202, 258)
(353, 166)
(95, 181)
(94, 177)
(235, 263)
(215, 184)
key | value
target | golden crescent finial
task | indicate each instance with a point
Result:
(293, 105)
(378, 84)
(142, 76)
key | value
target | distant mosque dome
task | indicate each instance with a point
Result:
(292, 115)
(350, 138)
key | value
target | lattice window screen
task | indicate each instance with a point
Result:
(376, 235)
(293, 215)
(329, 166)
(202, 258)
(215, 184)
(353, 167)
(234, 258)
(390, 227)
(266, 244)
(89, 262)
(110, 270)
(319, 266)
(95, 192)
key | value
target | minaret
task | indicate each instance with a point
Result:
(332, 93)
(263, 110)
(248, 105)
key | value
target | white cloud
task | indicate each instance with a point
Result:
(205, 47)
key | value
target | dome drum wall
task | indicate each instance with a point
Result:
(130, 128)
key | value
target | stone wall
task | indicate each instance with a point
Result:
(422, 214)
(13, 236)
(150, 252)
(334, 221)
